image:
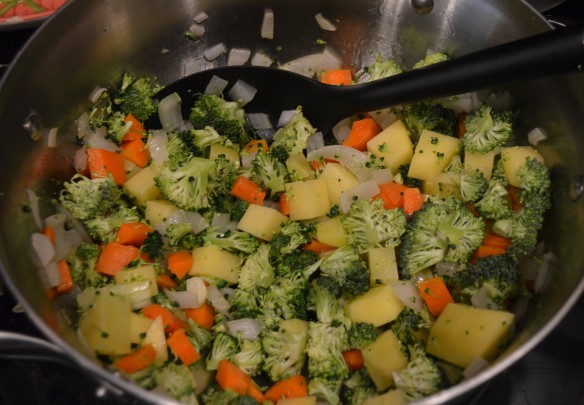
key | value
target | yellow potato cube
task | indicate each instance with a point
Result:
(156, 337)
(392, 146)
(308, 199)
(433, 153)
(139, 326)
(378, 306)
(331, 232)
(156, 210)
(391, 397)
(514, 157)
(262, 222)
(338, 180)
(443, 185)
(215, 262)
(298, 167)
(382, 266)
(231, 154)
(142, 186)
(463, 333)
(479, 161)
(382, 358)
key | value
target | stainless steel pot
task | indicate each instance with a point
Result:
(92, 42)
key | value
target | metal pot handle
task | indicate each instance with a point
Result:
(17, 346)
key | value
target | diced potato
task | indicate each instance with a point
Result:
(382, 266)
(142, 273)
(298, 167)
(295, 326)
(142, 187)
(215, 262)
(433, 153)
(308, 199)
(378, 306)
(382, 358)
(156, 210)
(156, 337)
(231, 154)
(310, 400)
(331, 232)
(391, 397)
(463, 333)
(139, 326)
(514, 157)
(392, 146)
(262, 222)
(443, 185)
(338, 180)
(481, 161)
(105, 326)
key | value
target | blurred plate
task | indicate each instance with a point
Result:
(21, 16)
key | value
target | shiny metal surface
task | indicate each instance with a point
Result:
(93, 42)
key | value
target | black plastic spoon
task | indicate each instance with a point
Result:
(555, 52)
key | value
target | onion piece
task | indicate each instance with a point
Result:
(481, 299)
(366, 190)
(220, 222)
(260, 120)
(217, 300)
(33, 201)
(197, 221)
(157, 145)
(242, 92)
(382, 176)
(409, 294)
(247, 160)
(169, 112)
(245, 328)
(261, 59)
(138, 292)
(447, 269)
(97, 139)
(315, 142)
(96, 94)
(384, 117)
(216, 86)
(42, 248)
(214, 51)
(285, 117)
(500, 101)
(312, 64)
(475, 367)
(349, 157)
(198, 287)
(544, 272)
(53, 274)
(324, 23)
(52, 137)
(184, 299)
(238, 56)
(200, 17)
(191, 66)
(267, 30)
(80, 159)
(536, 135)
(196, 31)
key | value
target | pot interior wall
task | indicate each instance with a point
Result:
(93, 42)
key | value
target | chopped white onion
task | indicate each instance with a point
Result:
(53, 274)
(382, 176)
(500, 101)
(247, 160)
(447, 269)
(96, 94)
(536, 135)
(191, 66)
(157, 145)
(459, 103)
(315, 142)
(544, 272)
(220, 222)
(481, 299)
(65, 240)
(349, 157)
(214, 51)
(80, 159)
(261, 59)
(324, 23)
(312, 64)
(164, 51)
(169, 112)
(176, 217)
(271, 204)
(42, 248)
(285, 117)
(366, 190)
(196, 31)
(197, 221)
(383, 118)
(409, 294)
(260, 120)
(74, 224)
(238, 56)
(184, 299)
(97, 139)
(217, 299)
(200, 17)
(52, 137)
(475, 367)
(197, 286)
(83, 127)
(216, 86)
(33, 201)
(341, 133)
(245, 328)
(242, 92)
(138, 292)
(267, 30)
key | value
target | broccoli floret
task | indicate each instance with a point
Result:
(104, 228)
(180, 149)
(284, 349)
(233, 241)
(402, 176)
(224, 347)
(368, 224)
(455, 165)
(433, 117)
(497, 276)
(250, 356)
(324, 349)
(175, 379)
(324, 295)
(214, 395)
(380, 69)
(464, 233)
(361, 334)
(294, 135)
(285, 299)
(221, 179)
(87, 198)
(346, 267)
(117, 127)
(430, 59)
(238, 208)
(325, 389)
(186, 186)
(290, 236)
(205, 137)
(226, 117)
(153, 245)
(408, 328)
(487, 129)
(280, 153)
(200, 337)
(181, 235)
(135, 97)
(269, 173)
(82, 266)
(421, 377)
(495, 203)
(244, 304)
(473, 186)
(257, 271)
(534, 177)
(358, 388)
(298, 261)
(101, 110)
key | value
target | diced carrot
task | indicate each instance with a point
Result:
(133, 233)
(354, 359)
(435, 294)
(179, 263)
(362, 131)
(256, 145)
(484, 251)
(248, 190)
(49, 232)
(284, 205)
(392, 194)
(105, 163)
(337, 77)
(136, 152)
(413, 200)
(472, 209)
(182, 347)
(203, 316)
(291, 387)
(136, 131)
(461, 125)
(254, 392)
(137, 360)
(496, 241)
(514, 196)
(114, 257)
(231, 377)
(165, 281)
(66, 283)
(170, 321)
(318, 247)
(317, 165)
